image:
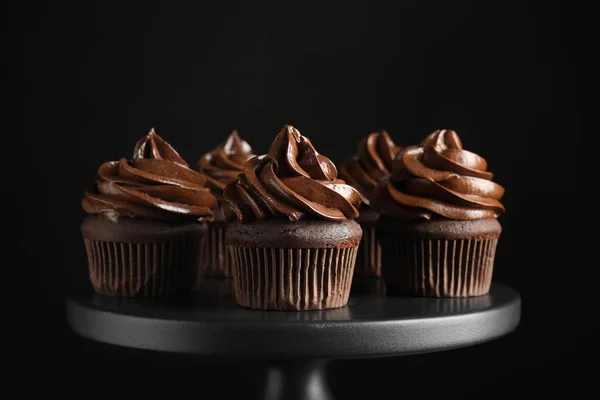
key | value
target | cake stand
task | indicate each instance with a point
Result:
(296, 345)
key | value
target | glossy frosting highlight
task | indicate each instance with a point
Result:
(293, 180)
(155, 184)
(439, 178)
(223, 164)
(371, 165)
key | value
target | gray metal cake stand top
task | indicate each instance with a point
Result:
(210, 323)
(371, 325)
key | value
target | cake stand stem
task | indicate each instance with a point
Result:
(296, 380)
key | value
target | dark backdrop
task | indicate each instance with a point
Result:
(91, 80)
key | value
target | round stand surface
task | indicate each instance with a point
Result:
(371, 325)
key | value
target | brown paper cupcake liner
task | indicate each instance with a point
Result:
(143, 269)
(438, 267)
(292, 279)
(216, 260)
(368, 259)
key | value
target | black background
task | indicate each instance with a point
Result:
(511, 79)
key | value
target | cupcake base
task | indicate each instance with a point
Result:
(440, 258)
(295, 266)
(368, 260)
(136, 257)
(216, 260)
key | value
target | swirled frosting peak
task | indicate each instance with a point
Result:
(223, 164)
(439, 178)
(371, 165)
(155, 184)
(293, 180)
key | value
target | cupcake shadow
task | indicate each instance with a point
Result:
(215, 292)
(368, 286)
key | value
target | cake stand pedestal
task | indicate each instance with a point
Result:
(296, 345)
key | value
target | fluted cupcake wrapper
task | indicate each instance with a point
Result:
(216, 260)
(438, 267)
(292, 279)
(143, 269)
(368, 259)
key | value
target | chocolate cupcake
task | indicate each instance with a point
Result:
(368, 168)
(295, 241)
(221, 166)
(147, 222)
(438, 227)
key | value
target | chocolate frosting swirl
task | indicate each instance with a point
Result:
(292, 180)
(223, 164)
(156, 184)
(439, 178)
(371, 165)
